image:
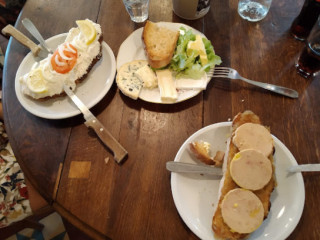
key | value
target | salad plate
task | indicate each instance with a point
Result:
(196, 196)
(91, 90)
(133, 49)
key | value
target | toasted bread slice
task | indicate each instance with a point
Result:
(160, 43)
(220, 228)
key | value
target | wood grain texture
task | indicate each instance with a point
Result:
(134, 200)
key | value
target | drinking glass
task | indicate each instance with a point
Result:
(137, 9)
(191, 9)
(308, 63)
(253, 10)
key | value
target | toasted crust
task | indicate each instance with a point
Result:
(220, 228)
(160, 44)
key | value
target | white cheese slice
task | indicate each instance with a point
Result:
(242, 210)
(127, 82)
(250, 169)
(147, 76)
(253, 136)
(168, 91)
(183, 83)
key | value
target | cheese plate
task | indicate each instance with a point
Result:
(133, 49)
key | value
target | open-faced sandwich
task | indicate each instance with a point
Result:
(176, 59)
(68, 65)
(248, 181)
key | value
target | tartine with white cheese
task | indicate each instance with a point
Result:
(68, 65)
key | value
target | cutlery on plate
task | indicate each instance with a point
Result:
(119, 152)
(182, 167)
(92, 122)
(304, 168)
(35, 32)
(224, 72)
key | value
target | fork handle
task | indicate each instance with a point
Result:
(274, 88)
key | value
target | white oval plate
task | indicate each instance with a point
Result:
(91, 90)
(133, 49)
(196, 196)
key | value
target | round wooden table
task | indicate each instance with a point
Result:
(134, 199)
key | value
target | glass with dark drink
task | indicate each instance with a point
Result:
(308, 64)
(303, 24)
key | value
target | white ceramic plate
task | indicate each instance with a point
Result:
(133, 49)
(196, 196)
(91, 90)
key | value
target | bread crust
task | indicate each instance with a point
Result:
(220, 228)
(160, 44)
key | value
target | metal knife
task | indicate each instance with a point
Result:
(207, 169)
(193, 168)
(92, 122)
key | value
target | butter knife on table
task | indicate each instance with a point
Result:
(92, 122)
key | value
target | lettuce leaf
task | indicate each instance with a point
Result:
(189, 66)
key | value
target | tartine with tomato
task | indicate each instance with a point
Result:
(68, 65)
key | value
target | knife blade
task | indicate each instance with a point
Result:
(182, 167)
(36, 50)
(92, 122)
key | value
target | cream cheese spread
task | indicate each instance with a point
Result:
(53, 80)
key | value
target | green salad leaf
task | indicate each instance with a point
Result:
(189, 65)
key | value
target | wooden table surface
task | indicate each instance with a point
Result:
(134, 200)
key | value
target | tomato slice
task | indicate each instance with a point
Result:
(65, 66)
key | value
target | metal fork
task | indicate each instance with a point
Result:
(225, 72)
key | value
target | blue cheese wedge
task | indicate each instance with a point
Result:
(129, 84)
(147, 76)
(168, 91)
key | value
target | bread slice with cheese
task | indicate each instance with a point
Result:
(223, 222)
(160, 43)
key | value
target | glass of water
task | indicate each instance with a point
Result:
(253, 10)
(137, 9)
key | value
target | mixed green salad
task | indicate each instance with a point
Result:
(189, 60)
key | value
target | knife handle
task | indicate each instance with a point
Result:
(9, 30)
(105, 136)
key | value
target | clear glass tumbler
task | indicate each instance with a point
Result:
(308, 64)
(253, 10)
(137, 9)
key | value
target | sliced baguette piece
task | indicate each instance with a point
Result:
(160, 43)
(220, 228)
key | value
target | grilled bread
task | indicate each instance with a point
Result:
(160, 43)
(221, 229)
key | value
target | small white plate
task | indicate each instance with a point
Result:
(91, 90)
(196, 196)
(133, 49)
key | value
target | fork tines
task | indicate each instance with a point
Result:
(221, 72)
